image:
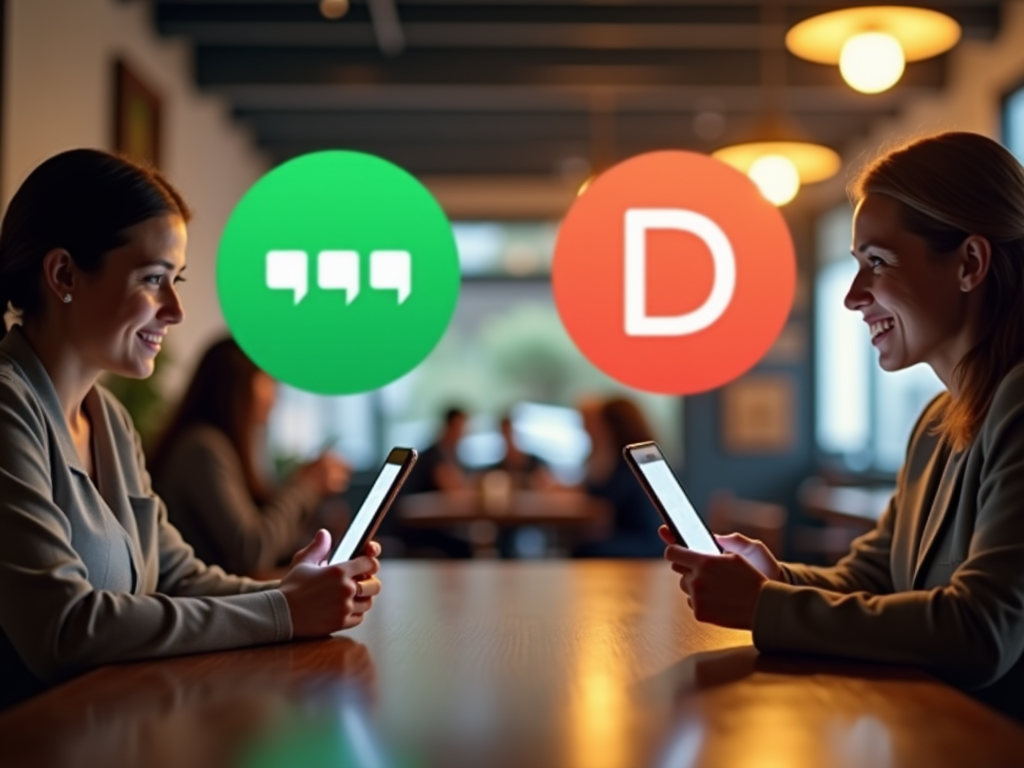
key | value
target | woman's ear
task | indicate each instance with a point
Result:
(976, 258)
(59, 272)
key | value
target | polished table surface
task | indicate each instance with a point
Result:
(588, 665)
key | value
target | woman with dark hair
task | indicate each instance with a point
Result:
(612, 424)
(938, 237)
(204, 468)
(91, 572)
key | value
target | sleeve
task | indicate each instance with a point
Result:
(53, 617)
(970, 631)
(865, 569)
(252, 538)
(868, 566)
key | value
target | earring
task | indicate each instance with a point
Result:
(67, 298)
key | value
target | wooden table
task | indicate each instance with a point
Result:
(561, 664)
(845, 504)
(482, 516)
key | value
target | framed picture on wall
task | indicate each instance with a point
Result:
(136, 117)
(758, 414)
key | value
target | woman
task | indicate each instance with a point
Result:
(938, 236)
(91, 572)
(205, 470)
(612, 424)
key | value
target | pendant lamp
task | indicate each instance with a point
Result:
(776, 154)
(872, 44)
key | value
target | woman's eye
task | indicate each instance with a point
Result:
(153, 279)
(875, 262)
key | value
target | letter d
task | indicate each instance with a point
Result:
(638, 222)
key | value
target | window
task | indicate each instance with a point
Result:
(505, 351)
(864, 415)
(1013, 122)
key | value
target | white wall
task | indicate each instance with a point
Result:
(59, 93)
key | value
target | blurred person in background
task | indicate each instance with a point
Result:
(438, 467)
(205, 466)
(612, 424)
(526, 471)
(438, 470)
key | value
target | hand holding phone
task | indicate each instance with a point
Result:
(377, 502)
(654, 474)
(314, 593)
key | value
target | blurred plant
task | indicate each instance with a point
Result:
(144, 398)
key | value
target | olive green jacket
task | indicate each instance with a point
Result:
(91, 575)
(939, 583)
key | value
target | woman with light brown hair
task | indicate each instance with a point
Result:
(938, 236)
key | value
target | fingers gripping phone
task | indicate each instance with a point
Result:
(668, 497)
(382, 493)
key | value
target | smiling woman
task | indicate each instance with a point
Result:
(91, 572)
(938, 238)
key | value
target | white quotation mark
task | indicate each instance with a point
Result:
(638, 222)
(339, 271)
(286, 271)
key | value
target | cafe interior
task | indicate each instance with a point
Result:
(512, 629)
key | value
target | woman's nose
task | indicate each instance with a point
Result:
(858, 296)
(171, 310)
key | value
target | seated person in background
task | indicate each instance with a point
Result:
(438, 467)
(611, 424)
(525, 470)
(91, 572)
(938, 239)
(205, 469)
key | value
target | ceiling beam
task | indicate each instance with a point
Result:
(300, 98)
(216, 66)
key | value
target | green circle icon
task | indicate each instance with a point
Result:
(337, 272)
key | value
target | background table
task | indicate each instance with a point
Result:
(482, 516)
(589, 665)
(848, 505)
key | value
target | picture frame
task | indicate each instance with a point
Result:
(758, 414)
(137, 117)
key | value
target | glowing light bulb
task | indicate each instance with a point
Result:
(333, 9)
(872, 62)
(776, 177)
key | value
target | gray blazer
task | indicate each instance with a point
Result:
(91, 575)
(939, 583)
(202, 482)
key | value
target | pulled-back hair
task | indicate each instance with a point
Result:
(949, 187)
(81, 200)
(220, 395)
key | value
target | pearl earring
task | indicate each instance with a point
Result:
(67, 298)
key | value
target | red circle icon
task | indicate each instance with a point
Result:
(672, 273)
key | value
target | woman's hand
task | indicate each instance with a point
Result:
(326, 598)
(722, 589)
(326, 474)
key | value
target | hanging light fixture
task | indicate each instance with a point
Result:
(872, 44)
(776, 154)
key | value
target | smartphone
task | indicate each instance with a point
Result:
(382, 493)
(649, 465)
